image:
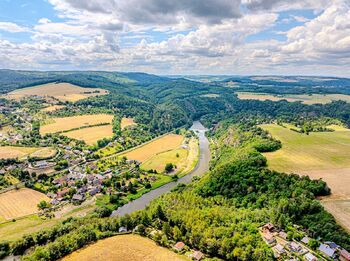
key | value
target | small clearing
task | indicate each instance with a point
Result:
(127, 122)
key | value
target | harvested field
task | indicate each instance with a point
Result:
(18, 203)
(52, 108)
(126, 248)
(9, 152)
(165, 143)
(307, 99)
(340, 210)
(69, 123)
(127, 122)
(60, 91)
(91, 135)
(211, 95)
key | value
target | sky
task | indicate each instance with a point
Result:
(232, 37)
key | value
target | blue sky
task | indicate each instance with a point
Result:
(309, 37)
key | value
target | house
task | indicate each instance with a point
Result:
(310, 257)
(62, 181)
(41, 164)
(269, 238)
(268, 227)
(94, 191)
(295, 247)
(326, 250)
(54, 202)
(78, 197)
(51, 195)
(179, 246)
(197, 255)
(279, 249)
(123, 230)
(305, 240)
(283, 235)
(331, 245)
(344, 255)
(62, 193)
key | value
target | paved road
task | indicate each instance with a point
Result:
(201, 168)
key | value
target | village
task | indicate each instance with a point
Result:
(287, 248)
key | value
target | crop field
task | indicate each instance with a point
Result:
(304, 98)
(340, 210)
(9, 152)
(91, 135)
(211, 95)
(126, 248)
(52, 108)
(163, 144)
(60, 91)
(18, 203)
(127, 122)
(159, 161)
(69, 123)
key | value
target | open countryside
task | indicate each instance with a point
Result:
(7, 152)
(19, 203)
(92, 134)
(68, 123)
(59, 91)
(52, 108)
(126, 248)
(304, 98)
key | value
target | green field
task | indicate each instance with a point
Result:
(317, 151)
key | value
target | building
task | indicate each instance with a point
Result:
(197, 255)
(305, 240)
(62, 193)
(279, 249)
(78, 197)
(283, 235)
(310, 257)
(179, 246)
(344, 255)
(123, 230)
(268, 227)
(327, 250)
(295, 247)
(269, 238)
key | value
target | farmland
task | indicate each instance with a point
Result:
(127, 122)
(18, 203)
(307, 99)
(7, 152)
(92, 134)
(52, 108)
(125, 247)
(68, 123)
(60, 91)
(163, 144)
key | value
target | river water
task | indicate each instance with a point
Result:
(201, 168)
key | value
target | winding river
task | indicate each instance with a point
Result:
(201, 168)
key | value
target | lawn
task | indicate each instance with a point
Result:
(19, 203)
(304, 98)
(127, 122)
(124, 247)
(7, 152)
(60, 91)
(92, 134)
(68, 123)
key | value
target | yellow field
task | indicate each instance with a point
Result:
(60, 91)
(18, 203)
(126, 248)
(52, 108)
(127, 122)
(9, 152)
(91, 135)
(159, 161)
(304, 98)
(165, 143)
(68, 123)
(211, 95)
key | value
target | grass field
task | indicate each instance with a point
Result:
(18, 203)
(159, 161)
(52, 108)
(68, 123)
(127, 122)
(163, 144)
(307, 99)
(211, 95)
(7, 152)
(91, 135)
(60, 91)
(126, 248)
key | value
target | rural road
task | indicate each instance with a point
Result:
(201, 168)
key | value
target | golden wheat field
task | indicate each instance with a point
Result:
(67, 123)
(10, 152)
(60, 91)
(18, 203)
(127, 122)
(52, 108)
(307, 99)
(125, 248)
(91, 135)
(165, 143)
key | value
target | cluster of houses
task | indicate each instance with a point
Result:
(283, 248)
(181, 247)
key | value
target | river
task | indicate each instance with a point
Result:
(201, 168)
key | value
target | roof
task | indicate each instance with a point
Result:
(294, 245)
(331, 244)
(310, 257)
(345, 254)
(197, 255)
(305, 240)
(279, 248)
(326, 250)
(77, 197)
(179, 245)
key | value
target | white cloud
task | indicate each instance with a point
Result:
(12, 27)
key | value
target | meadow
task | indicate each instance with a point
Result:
(60, 91)
(159, 145)
(8, 152)
(68, 123)
(125, 122)
(304, 98)
(18, 203)
(92, 134)
(126, 248)
(52, 108)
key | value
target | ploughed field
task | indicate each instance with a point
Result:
(304, 98)
(324, 155)
(59, 91)
(126, 248)
(19, 203)
(9, 152)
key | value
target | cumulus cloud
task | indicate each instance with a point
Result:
(12, 27)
